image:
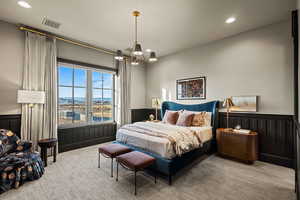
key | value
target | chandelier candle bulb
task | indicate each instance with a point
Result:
(134, 61)
(138, 50)
(152, 57)
(119, 55)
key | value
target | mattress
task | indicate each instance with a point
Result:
(158, 145)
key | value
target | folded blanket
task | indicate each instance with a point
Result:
(183, 139)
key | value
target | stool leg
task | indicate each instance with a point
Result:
(155, 178)
(54, 153)
(112, 167)
(45, 156)
(170, 179)
(99, 159)
(117, 171)
(134, 182)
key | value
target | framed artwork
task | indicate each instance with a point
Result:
(244, 104)
(191, 88)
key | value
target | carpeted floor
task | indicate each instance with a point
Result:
(75, 176)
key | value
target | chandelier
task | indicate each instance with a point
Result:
(137, 55)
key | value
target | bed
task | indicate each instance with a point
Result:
(168, 160)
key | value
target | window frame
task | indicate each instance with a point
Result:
(91, 88)
(88, 93)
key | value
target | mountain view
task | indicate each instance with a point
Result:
(73, 81)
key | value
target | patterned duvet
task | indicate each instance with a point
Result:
(165, 140)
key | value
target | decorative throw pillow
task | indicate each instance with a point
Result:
(8, 142)
(185, 119)
(170, 117)
(201, 118)
(207, 119)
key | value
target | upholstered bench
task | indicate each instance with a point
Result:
(134, 161)
(111, 151)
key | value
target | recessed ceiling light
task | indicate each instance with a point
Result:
(230, 20)
(24, 4)
(148, 50)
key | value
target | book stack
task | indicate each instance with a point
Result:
(242, 131)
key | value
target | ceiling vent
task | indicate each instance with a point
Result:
(51, 23)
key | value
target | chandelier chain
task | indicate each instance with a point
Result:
(135, 29)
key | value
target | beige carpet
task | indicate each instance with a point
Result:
(75, 176)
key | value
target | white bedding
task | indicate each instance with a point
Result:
(158, 145)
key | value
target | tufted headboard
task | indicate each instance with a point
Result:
(211, 106)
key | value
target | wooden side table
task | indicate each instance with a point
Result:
(243, 147)
(45, 144)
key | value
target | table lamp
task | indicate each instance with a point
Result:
(228, 104)
(31, 97)
(156, 105)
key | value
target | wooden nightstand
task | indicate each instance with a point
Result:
(243, 147)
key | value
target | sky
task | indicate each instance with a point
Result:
(99, 79)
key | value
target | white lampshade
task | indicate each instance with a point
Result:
(155, 102)
(31, 97)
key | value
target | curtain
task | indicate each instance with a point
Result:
(40, 74)
(123, 81)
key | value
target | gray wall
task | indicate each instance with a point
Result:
(138, 86)
(257, 62)
(11, 64)
(12, 43)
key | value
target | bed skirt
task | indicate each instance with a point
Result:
(170, 167)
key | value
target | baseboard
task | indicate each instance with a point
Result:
(68, 147)
(277, 160)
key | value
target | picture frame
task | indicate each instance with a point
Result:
(247, 103)
(191, 88)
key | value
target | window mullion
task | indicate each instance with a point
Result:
(102, 104)
(73, 102)
(89, 96)
(113, 98)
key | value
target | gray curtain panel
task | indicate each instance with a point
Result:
(123, 82)
(40, 74)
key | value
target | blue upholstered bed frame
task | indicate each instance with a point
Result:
(170, 167)
(208, 107)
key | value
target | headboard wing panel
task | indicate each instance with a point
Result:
(208, 107)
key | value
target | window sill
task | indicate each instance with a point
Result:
(78, 125)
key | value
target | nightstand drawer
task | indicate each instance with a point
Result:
(236, 145)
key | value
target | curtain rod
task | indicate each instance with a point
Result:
(23, 28)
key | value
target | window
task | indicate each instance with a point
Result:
(84, 94)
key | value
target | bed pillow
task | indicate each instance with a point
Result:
(170, 117)
(201, 118)
(185, 118)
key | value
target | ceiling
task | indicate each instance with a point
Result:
(166, 26)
